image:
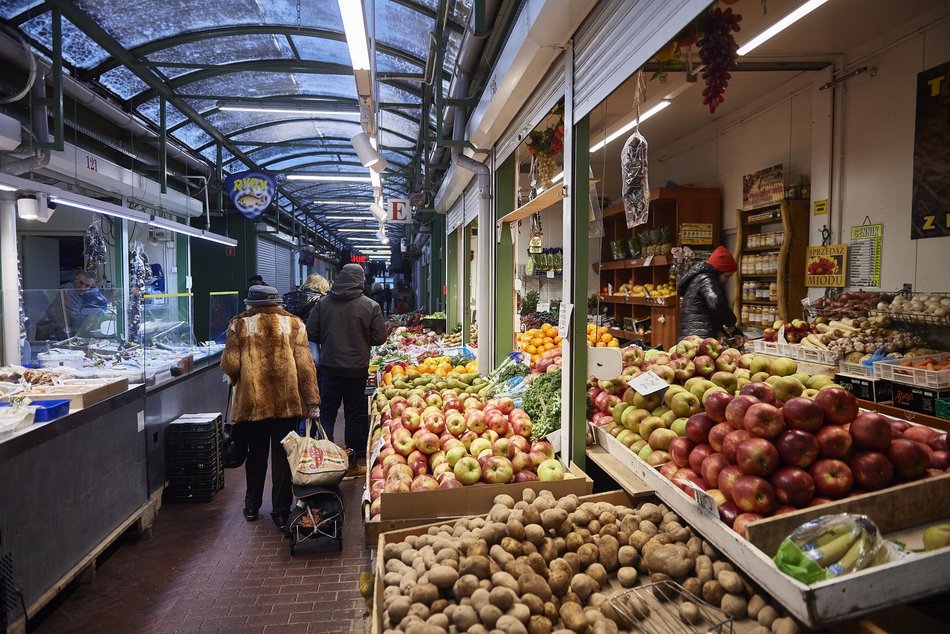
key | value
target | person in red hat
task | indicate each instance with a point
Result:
(704, 309)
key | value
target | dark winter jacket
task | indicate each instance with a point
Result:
(704, 310)
(346, 324)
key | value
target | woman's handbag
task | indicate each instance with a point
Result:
(233, 442)
(314, 461)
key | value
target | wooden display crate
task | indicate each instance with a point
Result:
(80, 393)
(835, 600)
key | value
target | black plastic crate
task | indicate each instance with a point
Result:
(180, 445)
(194, 426)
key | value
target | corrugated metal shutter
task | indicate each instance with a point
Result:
(275, 264)
(548, 93)
(618, 38)
(471, 201)
(456, 215)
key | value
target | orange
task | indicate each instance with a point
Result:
(557, 340)
(548, 346)
(601, 344)
(398, 370)
(613, 344)
(531, 349)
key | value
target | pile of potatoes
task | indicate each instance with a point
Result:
(544, 565)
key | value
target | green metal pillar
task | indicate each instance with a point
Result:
(452, 280)
(466, 283)
(504, 262)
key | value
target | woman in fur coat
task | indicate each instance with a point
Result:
(267, 359)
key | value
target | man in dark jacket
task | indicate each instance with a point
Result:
(704, 310)
(346, 324)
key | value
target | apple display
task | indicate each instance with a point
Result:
(763, 421)
(840, 405)
(804, 414)
(798, 448)
(712, 466)
(475, 420)
(743, 520)
(833, 478)
(910, 458)
(735, 411)
(716, 404)
(732, 441)
(680, 448)
(793, 486)
(727, 479)
(550, 470)
(697, 455)
(718, 434)
(757, 456)
(753, 494)
(728, 513)
(833, 441)
(871, 470)
(871, 431)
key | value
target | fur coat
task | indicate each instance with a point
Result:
(267, 359)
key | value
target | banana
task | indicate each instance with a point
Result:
(835, 549)
(834, 532)
(850, 558)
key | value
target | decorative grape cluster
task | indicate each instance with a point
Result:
(717, 50)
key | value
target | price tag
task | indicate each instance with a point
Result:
(705, 502)
(648, 383)
(550, 275)
(374, 454)
(648, 261)
(564, 319)
(610, 289)
(544, 307)
(781, 335)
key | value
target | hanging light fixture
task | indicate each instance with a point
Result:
(368, 154)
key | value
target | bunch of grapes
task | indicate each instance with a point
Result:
(717, 50)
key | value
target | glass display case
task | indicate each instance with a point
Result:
(223, 306)
(168, 338)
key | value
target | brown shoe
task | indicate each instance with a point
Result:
(354, 471)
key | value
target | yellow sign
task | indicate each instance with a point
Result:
(697, 233)
(826, 266)
(821, 207)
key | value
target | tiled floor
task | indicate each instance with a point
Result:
(207, 569)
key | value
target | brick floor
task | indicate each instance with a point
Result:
(208, 570)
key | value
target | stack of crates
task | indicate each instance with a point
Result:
(193, 458)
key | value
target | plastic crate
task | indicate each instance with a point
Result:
(824, 357)
(789, 350)
(190, 426)
(892, 370)
(47, 410)
(761, 346)
(856, 369)
(943, 409)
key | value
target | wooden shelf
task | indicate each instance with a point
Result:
(765, 275)
(659, 260)
(669, 302)
(765, 206)
(760, 302)
(769, 221)
(629, 334)
(548, 198)
(761, 249)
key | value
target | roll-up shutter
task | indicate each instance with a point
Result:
(275, 264)
(456, 215)
(547, 94)
(618, 38)
(471, 202)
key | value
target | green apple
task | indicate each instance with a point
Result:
(672, 391)
(679, 426)
(649, 403)
(810, 393)
(668, 418)
(659, 411)
(783, 366)
(692, 382)
(685, 404)
(937, 537)
(818, 381)
(802, 377)
(638, 445)
(660, 439)
(649, 424)
(714, 388)
(699, 389)
(772, 379)
(759, 364)
(645, 452)
(628, 419)
(725, 380)
(618, 411)
(787, 387)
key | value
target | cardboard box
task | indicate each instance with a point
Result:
(865, 388)
(921, 419)
(80, 394)
(921, 400)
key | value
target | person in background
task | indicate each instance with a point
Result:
(267, 360)
(302, 301)
(255, 280)
(704, 309)
(83, 300)
(346, 324)
(388, 300)
(377, 295)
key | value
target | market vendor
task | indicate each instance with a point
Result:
(704, 309)
(83, 300)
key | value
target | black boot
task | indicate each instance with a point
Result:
(250, 514)
(280, 519)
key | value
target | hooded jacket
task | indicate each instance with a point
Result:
(267, 360)
(704, 310)
(346, 324)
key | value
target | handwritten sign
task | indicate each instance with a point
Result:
(564, 319)
(544, 307)
(648, 383)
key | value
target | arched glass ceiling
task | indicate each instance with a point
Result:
(212, 50)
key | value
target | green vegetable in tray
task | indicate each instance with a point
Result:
(542, 402)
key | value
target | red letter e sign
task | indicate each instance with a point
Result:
(399, 211)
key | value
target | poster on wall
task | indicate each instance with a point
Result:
(864, 255)
(251, 192)
(929, 214)
(826, 266)
(765, 187)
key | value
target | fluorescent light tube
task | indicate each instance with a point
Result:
(557, 177)
(107, 208)
(780, 26)
(630, 126)
(7, 188)
(193, 232)
(355, 28)
(288, 109)
(214, 237)
(352, 218)
(329, 178)
(352, 203)
(358, 230)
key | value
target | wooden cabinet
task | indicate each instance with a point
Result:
(770, 251)
(692, 215)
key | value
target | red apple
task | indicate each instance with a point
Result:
(833, 478)
(712, 466)
(658, 457)
(698, 426)
(728, 513)
(757, 456)
(732, 441)
(428, 443)
(475, 420)
(704, 365)
(521, 443)
(521, 461)
(735, 411)
(522, 427)
(804, 414)
(742, 520)
(669, 469)
(753, 494)
(785, 508)
(497, 422)
(833, 441)
(798, 448)
(910, 458)
(450, 483)
(688, 475)
(506, 405)
(727, 479)
(716, 404)
(898, 427)
(397, 483)
(871, 470)
(497, 470)
(920, 433)
(526, 476)
(793, 486)
(840, 405)
(939, 459)
(697, 455)
(680, 448)
(537, 457)
(763, 421)
(871, 431)
(819, 501)
(938, 442)
(760, 390)
(424, 483)
(717, 434)
(467, 470)
(543, 446)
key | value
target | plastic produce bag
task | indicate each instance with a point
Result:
(830, 546)
(636, 188)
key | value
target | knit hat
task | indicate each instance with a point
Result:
(259, 295)
(722, 261)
